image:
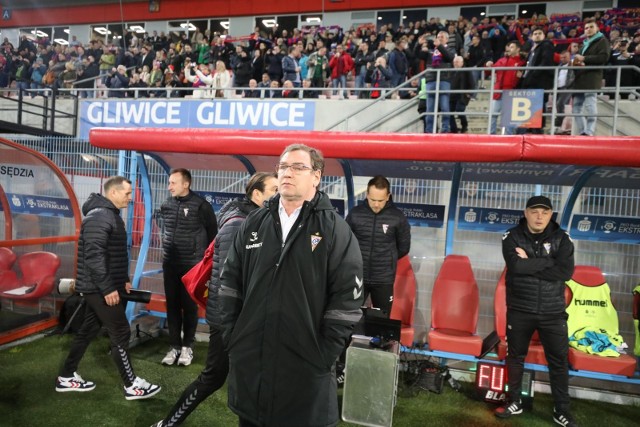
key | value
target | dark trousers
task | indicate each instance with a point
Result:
(458, 106)
(182, 311)
(561, 103)
(552, 329)
(210, 379)
(381, 296)
(97, 314)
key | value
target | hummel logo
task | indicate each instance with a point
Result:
(357, 290)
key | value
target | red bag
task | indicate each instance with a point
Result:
(375, 93)
(196, 279)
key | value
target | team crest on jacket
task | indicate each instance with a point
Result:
(186, 211)
(547, 247)
(315, 239)
(385, 227)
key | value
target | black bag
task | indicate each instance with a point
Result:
(422, 106)
(67, 319)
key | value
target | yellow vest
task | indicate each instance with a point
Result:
(636, 349)
(591, 308)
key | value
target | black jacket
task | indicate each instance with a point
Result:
(541, 56)
(103, 261)
(231, 216)
(440, 57)
(536, 284)
(188, 227)
(287, 312)
(383, 238)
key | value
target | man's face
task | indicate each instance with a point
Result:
(590, 29)
(537, 218)
(513, 49)
(537, 36)
(565, 57)
(299, 185)
(120, 195)
(178, 187)
(377, 198)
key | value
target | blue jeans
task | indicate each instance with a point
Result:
(443, 106)
(585, 104)
(497, 109)
(340, 81)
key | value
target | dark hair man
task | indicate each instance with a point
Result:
(103, 274)
(188, 227)
(539, 258)
(291, 293)
(384, 236)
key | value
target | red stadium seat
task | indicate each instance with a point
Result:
(454, 308)
(38, 275)
(404, 299)
(7, 258)
(536, 352)
(8, 278)
(587, 275)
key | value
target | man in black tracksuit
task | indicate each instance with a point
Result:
(290, 294)
(384, 236)
(103, 277)
(539, 258)
(188, 227)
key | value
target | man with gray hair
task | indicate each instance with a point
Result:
(117, 81)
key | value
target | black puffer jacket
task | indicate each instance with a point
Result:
(103, 262)
(231, 216)
(383, 238)
(189, 225)
(536, 284)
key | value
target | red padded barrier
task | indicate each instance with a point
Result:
(578, 150)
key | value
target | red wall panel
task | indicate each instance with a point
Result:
(179, 9)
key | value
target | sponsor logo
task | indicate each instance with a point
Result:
(385, 227)
(547, 247)
(186, 211)
(254, 246)
(314, 242)
(254, 236)
(591, 303)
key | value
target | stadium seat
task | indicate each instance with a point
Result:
(454, 308)
(625, 365)
(38, 270)
(404, 299)
(536, 352)
(7, 258)
(8, 278)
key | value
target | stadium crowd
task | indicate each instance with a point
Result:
(359, 62)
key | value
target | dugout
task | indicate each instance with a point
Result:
(39, 228)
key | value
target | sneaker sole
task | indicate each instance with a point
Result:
(167, 363)
(65, 389)
(146, 396)
(184, 363)
(505, 415)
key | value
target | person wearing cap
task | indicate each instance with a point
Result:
(539, 260)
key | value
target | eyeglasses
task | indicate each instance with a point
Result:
(297, 168)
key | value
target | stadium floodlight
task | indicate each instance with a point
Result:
(61, 41)
(188, 26)
(137, 28)
(269, 23)
(224, 24)
(101, 30)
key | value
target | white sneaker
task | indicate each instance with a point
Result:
(74, 383)
(140, 389)
(186, 356)
(171, 357)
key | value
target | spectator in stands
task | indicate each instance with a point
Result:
(319, 69)
(439, 57)
(117, 81)
(260, 188)
(621, 56)
(106, 63)
(341, 65)
(313, 296)
(201, 81)
(505, 80)
(362, 61)
(539, 260)
(540, 55)
(274, 91)
(291, 68)
(273, 63)
(595, 51)
(379, 77)
(103, 276)
(398, 63)
(241, 65)
(384, 236)
(565, 81)
(147, 56)
(188, 227)
(221, 81)
(22, 66)
(38, 69)
(461, 80)
(68, 76)
(252, 91)
(308, 91)
(136, 82)
(288, 90)
(478, 56)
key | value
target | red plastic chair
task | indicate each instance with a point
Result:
(454, 308)
(38, 272)
(591, 276)
(7, 258)
(8, 278)
(536, 352)
(404, 300)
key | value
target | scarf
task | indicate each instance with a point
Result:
(588, 42)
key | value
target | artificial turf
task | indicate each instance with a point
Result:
(28, 397)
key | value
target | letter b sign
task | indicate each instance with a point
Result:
(522, 108)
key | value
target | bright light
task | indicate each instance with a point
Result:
(379, 18)
(39, 33)
(137, 28)
(224, 24)
(482, 13)
(188, 26)
(524, 12)
(269, 23)
(101, 30)
(61, 41)
(314, 20)
(66, 30)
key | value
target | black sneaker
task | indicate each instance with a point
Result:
(508, 410)
(564, 419)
